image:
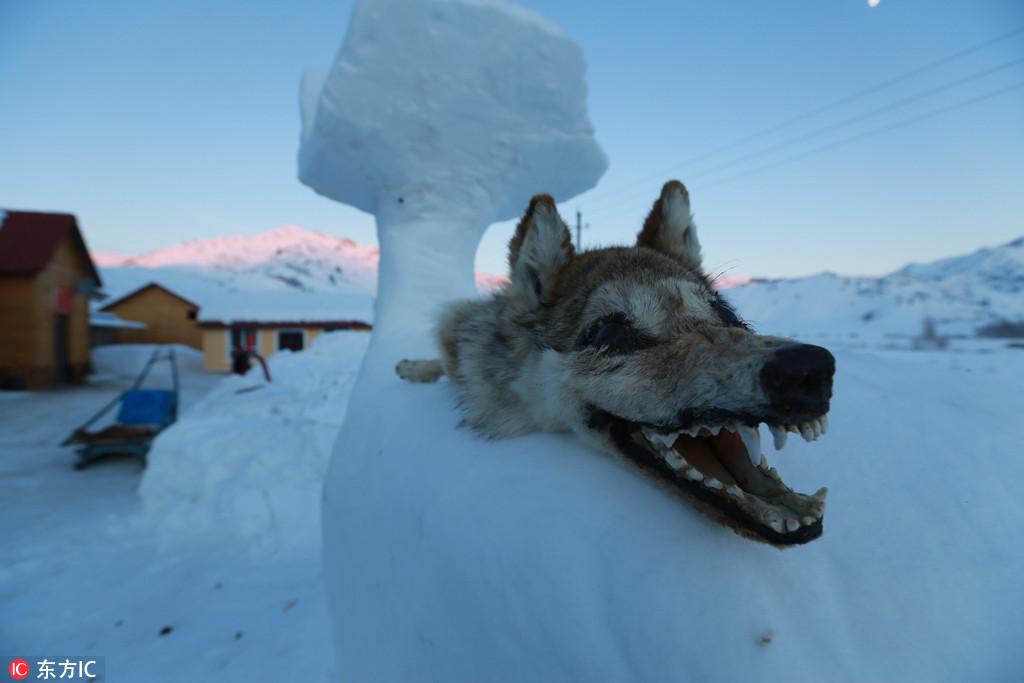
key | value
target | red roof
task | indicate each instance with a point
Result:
(29, 239)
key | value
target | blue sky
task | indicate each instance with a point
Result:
(158, 122)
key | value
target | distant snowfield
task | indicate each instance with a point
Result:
(275, 273)
(916, 578)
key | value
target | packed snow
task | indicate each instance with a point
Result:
(441, 117)
(252, 454)
(538, 559)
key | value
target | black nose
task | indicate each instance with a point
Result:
(798, 381)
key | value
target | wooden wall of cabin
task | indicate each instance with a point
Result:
(166, 318)
(28, 317)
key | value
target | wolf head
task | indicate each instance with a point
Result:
(635, 351)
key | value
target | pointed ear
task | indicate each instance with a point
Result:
(539, 249)
(669, 227)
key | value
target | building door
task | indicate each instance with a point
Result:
(60, 349)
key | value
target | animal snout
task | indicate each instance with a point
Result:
(798, 380)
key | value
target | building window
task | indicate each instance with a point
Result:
(191, 315)
(293, 340)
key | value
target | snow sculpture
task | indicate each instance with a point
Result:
(451, 558)
(440, 118)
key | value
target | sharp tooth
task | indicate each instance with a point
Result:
(693, 431)
(752, 442)
(805, 431)
(776, 525)
(808, 521)
(734, 490)
(779, 436)
(674, 460)
(792, 524)
(820, 495)
(715, 430)
(793, 428)
(763, 464)
(694, 474)
(823, 420)
(713, 483)
(661, 439)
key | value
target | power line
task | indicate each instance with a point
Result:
(870, 133)
(820, 109)
(902, 102)
(860, 136)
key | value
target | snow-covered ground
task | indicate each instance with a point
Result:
(222, 542)
(219, 544)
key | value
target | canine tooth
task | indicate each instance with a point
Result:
(751, 438)
(776, 525)
(713, 483)
(823, 421)
(734, 490)
(807, 521)
(820, 494)
(764, 462)
(694, 474)
(779, 436)
(715, 430)
(792, 524)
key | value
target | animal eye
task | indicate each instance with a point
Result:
(615, 334)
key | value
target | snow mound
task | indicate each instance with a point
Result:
(457, 559)
(249, 459)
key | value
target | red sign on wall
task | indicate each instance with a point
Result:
(64, 299)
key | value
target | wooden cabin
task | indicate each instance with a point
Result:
(46, 280)
(168, 317)
(264, 337)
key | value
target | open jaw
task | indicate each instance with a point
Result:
(719, 468)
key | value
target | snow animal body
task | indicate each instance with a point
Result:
(633, 350)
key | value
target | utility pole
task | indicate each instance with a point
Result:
(579, 230)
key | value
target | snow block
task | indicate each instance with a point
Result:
(452, 558)
(446, 104)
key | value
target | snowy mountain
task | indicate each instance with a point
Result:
(287, 257)
(960, 294)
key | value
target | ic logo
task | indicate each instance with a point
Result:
(19, 669)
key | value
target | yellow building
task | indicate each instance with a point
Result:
(46, 280)
(169, 318)
(263, 338)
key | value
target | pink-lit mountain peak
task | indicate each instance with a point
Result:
(243, 252)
